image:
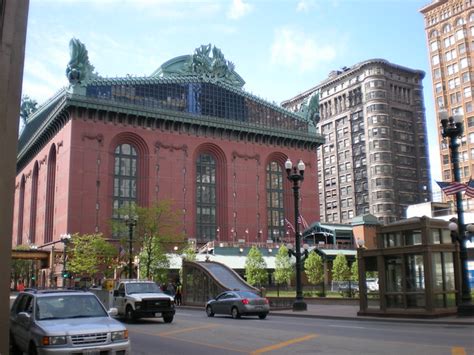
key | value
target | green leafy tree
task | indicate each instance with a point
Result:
(255, 268)
(157, 267)
(340, 269)
(313, 266)
(155, 234)
(355, 271)
(20, 268)
(90, 253)
(283, 268)
(189, 253)
(28, 106)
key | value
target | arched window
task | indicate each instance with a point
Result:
(471, 17)
(447, 28)
(50, 196)
(459, 21)
(206, 198)
(34, 203)
(21, 206)
(275, 206)
(433, 34)
(125, 177)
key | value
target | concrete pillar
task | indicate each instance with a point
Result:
(13, 20)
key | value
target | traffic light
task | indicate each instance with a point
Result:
(66, 274)
(33, 277)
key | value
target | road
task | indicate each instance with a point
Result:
(193, 333)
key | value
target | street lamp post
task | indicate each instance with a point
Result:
(296, 176)
(130, 221)
(452, 128)
(65, 238)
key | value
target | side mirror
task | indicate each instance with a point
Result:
(24, 317)
(113, 312)
(116, 293)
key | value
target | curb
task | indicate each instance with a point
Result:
(358, 318)
(374, 319)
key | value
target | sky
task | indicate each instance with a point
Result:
(279, 47)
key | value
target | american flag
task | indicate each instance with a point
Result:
(470, 188)
(289, 225)
(450, 188)
(303, 222)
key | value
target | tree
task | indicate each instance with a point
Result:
(87, 253)
(255, 268)
(355, 271)
(156, 233)
(283, 268)
(313, 266)
(340, 269)
(27, 107)
(20, 268)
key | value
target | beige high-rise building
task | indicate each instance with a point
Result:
(449, 26)
(375, 158)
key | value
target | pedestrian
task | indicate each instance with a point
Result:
(21, 286)
(177, 298)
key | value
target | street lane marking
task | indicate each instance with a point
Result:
(184, 330)
(205, 344)
(346, 326)
(458, 351)
(283, 344)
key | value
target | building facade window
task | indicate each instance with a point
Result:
(275, 205)
(206, 225)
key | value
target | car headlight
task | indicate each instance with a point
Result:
(122, 335)
(56, 340)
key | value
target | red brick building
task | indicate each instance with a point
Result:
(188, 133)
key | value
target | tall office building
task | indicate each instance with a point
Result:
(375, 157)
(449, 29)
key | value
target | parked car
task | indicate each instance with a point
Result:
(65, 322)
(238, 303)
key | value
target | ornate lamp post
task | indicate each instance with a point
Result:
(452, 128)
(65, 238)
(130, 221)
(296, 175)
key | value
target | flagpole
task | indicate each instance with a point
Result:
(452, 127)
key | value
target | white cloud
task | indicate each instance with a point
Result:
(238, 9)
(294, 48)
(304, 5)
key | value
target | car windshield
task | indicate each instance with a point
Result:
(68, 306)
(142, 287)
(245, 294)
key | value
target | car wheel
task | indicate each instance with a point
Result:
(262, 315)
(129, 314)
(209, 311)
(168, 318)
(14, 349)
(32, 349)
(235, 313)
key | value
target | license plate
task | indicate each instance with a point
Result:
(91, 352)
(158, 314)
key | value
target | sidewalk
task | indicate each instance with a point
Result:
(349, 312)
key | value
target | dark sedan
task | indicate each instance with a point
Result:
(238, 303)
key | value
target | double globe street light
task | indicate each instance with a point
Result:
(296, 176)
(452, 128)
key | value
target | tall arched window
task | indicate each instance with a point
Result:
(125, 176)
(275, 206)
(21, 206)
(34, 203)
(206, 198)
(50, 194)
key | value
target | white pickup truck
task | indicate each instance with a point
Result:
(136, 299)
